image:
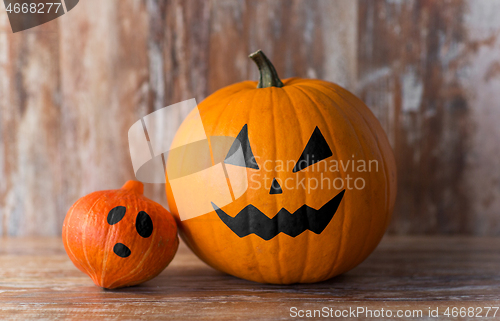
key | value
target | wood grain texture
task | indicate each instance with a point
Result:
(482, 82)
(427, 103)
(37, 280)
(30, 107)
(71, 88)
(104, 90)
(424, 70)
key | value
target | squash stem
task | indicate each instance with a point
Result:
(268, 75)
(135, 186)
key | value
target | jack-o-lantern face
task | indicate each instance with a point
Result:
(251, 220)
(310, 209)
(143, 227)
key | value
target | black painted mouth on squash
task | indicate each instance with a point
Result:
(251, 220)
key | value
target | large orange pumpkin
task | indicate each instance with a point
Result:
(119, 237)
(294, 223)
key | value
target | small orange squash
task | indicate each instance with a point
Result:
(294, 224)
(119, 237)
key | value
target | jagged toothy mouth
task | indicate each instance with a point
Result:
(250, 220)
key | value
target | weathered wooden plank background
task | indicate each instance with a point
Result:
(430, 71)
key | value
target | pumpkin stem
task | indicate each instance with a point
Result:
(134, 186)
(268, 75)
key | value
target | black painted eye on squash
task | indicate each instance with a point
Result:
(316, 150)
(144, 224)
(121, 250)
(116, 215)
(234, 158)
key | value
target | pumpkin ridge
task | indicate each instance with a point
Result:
(275, 153)
(220, 111)
(84, 247)
(340, 111)
(387, 185)
(145, 255)
(367, 238)
(105, 258)
(67, 234)
(131, 273)
(300, 89)
(306, 195)
(253, 247)
(107, 243)
(214, 129)
(386, 172)
(382, 155)
(292, 81)
(182, 161)
(306, 253)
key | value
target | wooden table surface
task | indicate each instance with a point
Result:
(37, 280)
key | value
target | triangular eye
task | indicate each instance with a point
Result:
(316, 150)
(245, 160)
